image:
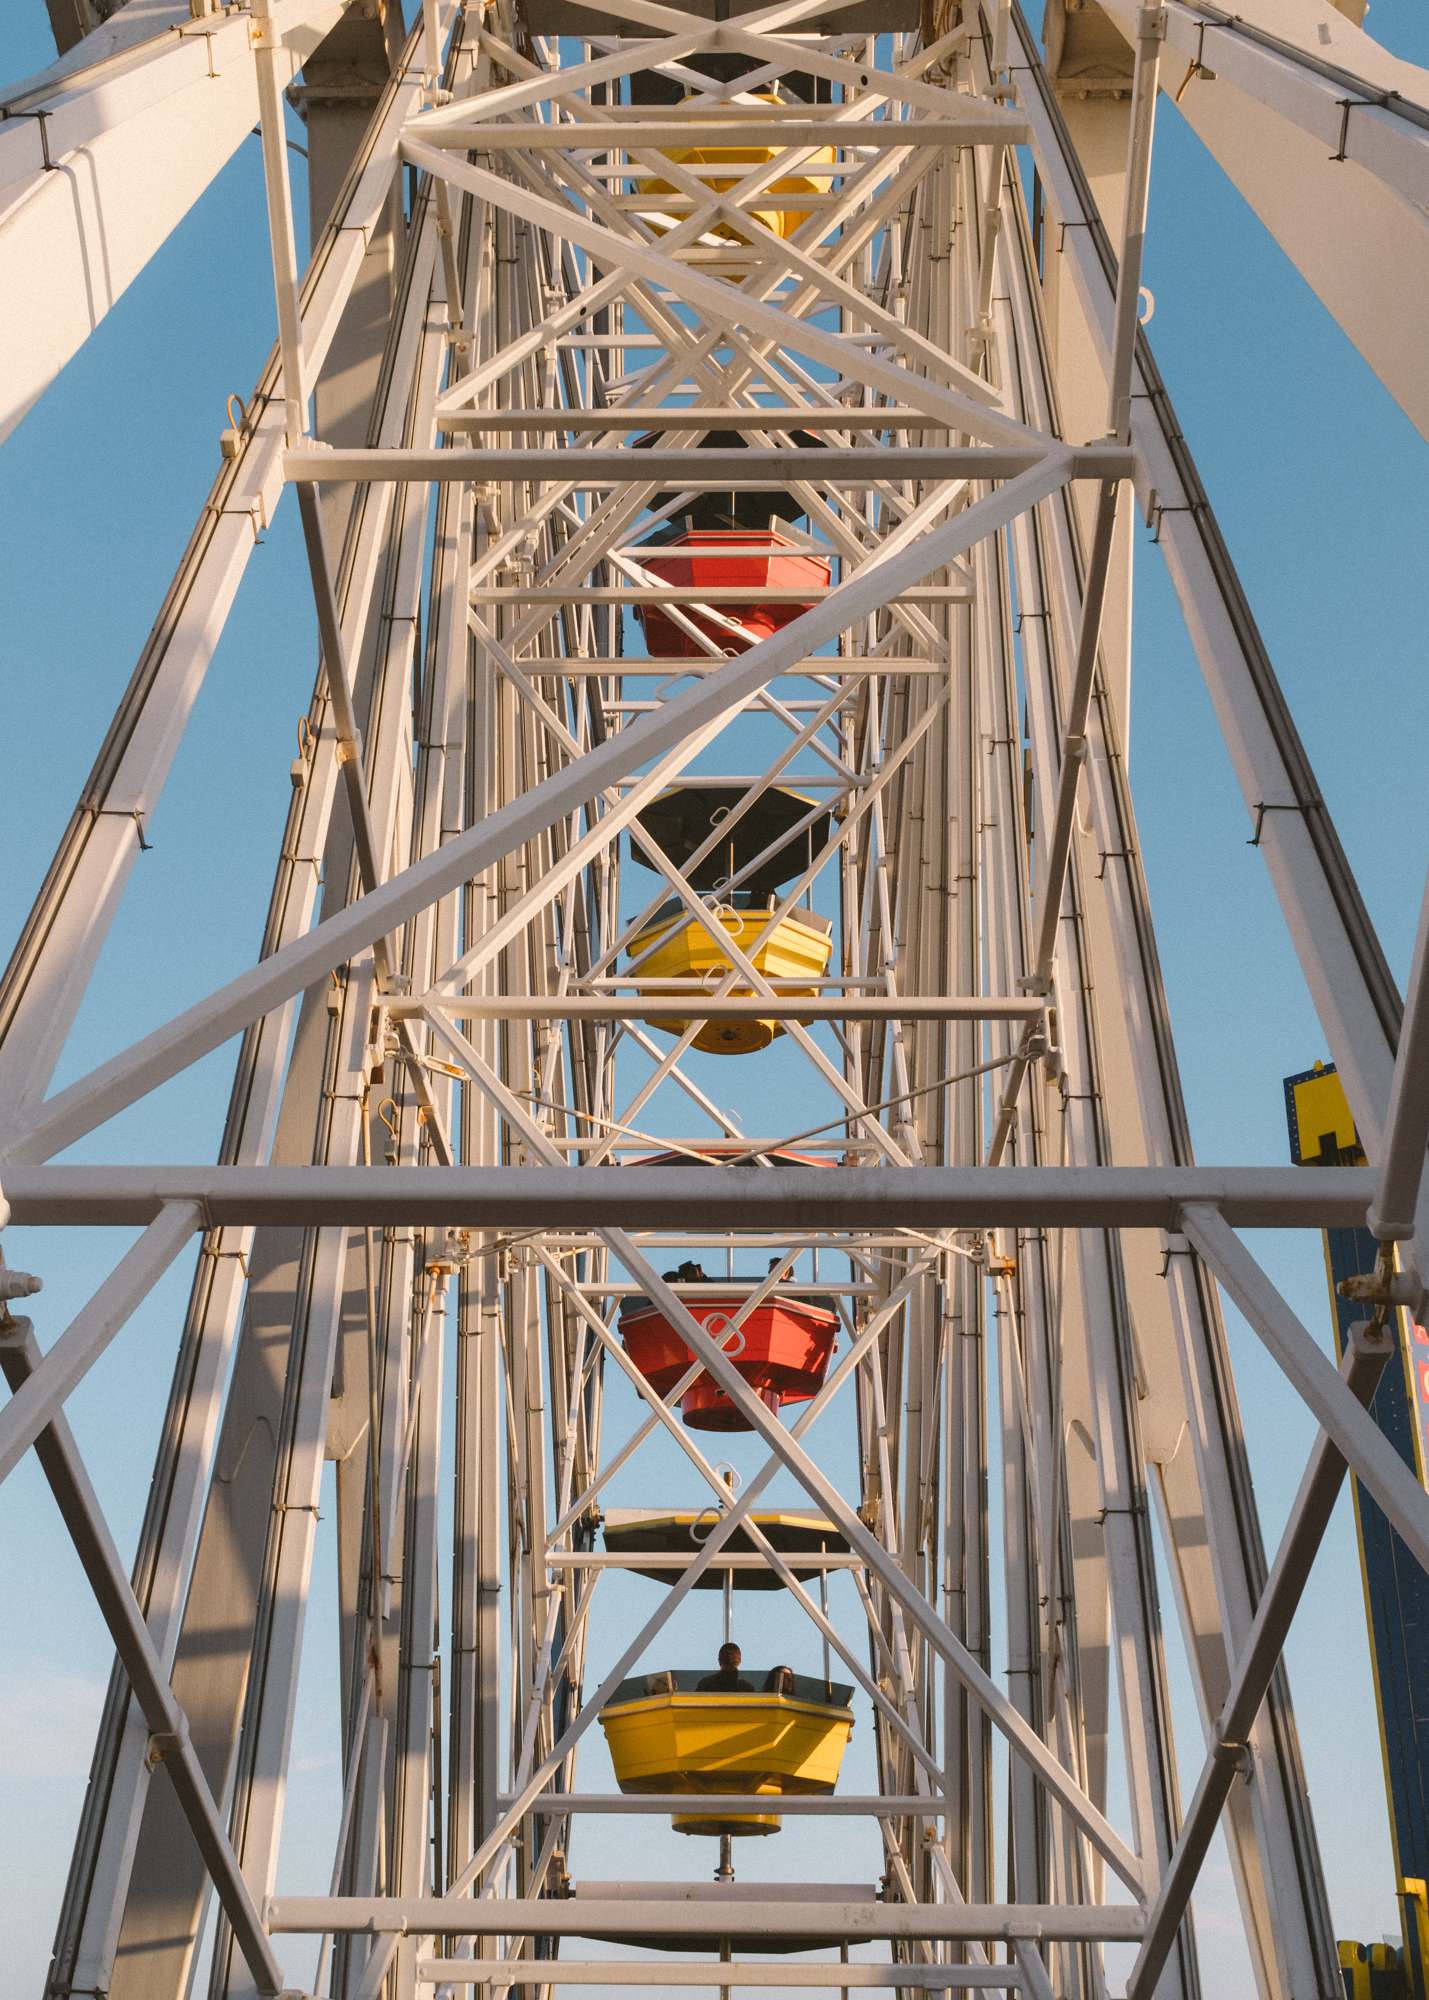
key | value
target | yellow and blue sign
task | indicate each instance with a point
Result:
(1322, 1133)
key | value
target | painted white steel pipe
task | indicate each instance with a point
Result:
(987, 125)
(41, 989)
(716, 1917)
(97, 178)
(845, 1806)
(722, 1197)
(1387, 132)
(598, 465)
(668, 417)
(732, 1006)
(797, 1558)
(1328, 925)
(628, 1972)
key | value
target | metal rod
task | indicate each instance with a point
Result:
(776, 1006)
(748, 470)
(665, 417)
(894, 1805)
(582, 1559)
(786, 127)
(631, 1972)
(1373, 1459)
(674, 1916)
(759, 1197)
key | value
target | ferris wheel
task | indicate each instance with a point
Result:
(704, 1353)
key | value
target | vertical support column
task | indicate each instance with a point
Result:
(341, 83)
(1091, 65)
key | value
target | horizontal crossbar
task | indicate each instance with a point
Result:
(607, 465)
(715, 1918)
(722, 1197)
(985, 127)
(631, 1972)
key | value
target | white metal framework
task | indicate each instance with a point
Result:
(806, 228)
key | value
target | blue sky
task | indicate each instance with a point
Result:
(1320, 488)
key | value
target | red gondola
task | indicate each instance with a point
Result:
(731, 558)
(726, 538)
(781, 1349)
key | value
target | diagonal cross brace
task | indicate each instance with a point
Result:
(171, 1048)
(78, 1504)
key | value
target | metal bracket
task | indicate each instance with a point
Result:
(161, 1743)
(50, 166)
(1260, 809)
(1380, 102)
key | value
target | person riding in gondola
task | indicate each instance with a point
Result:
(728, 1680)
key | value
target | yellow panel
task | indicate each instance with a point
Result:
(705, 1742)
(733, 1823)
(1354, 1959)
(766, 1745)
(685, 949)
(783, 218)
(1321, 1110)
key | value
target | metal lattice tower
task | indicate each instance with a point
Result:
(640, 260)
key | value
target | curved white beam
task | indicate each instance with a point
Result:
(1343, 192)
(99, 163)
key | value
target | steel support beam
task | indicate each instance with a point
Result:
(762, 1197)
(672, 1916)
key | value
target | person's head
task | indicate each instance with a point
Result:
(729, 1656)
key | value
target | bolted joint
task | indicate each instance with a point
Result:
(1235, 1753)
(163, 1742)
(18, 1284)
(1368, 1340)
(1381, 1287)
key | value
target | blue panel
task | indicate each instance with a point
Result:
(1396, 1589)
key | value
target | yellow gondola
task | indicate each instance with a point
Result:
(782, 216)
(633, 1532)
(677, 946)
(667, 1735)
(761, 844)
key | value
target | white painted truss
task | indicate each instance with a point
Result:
(642, 259)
